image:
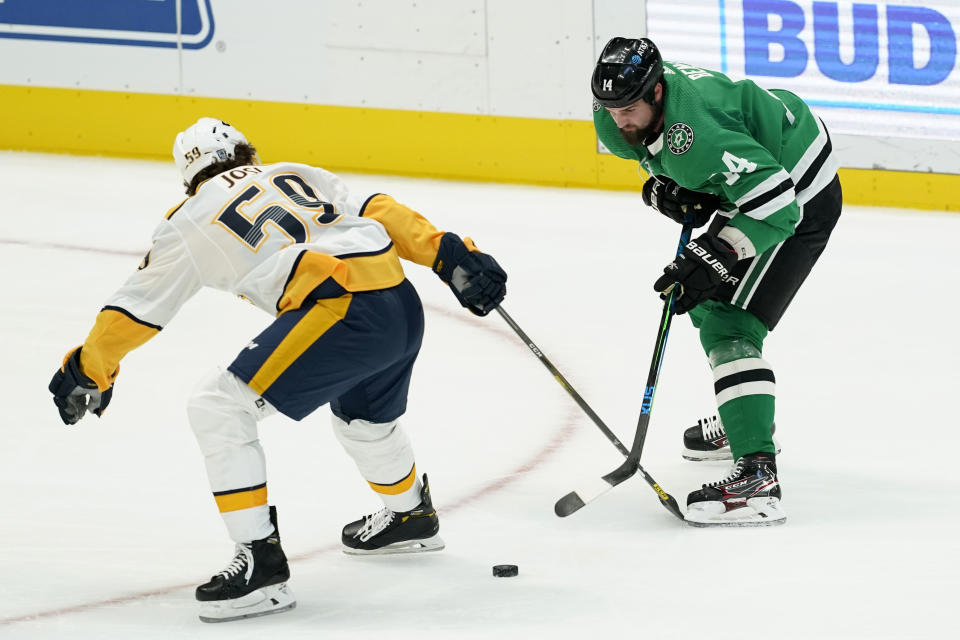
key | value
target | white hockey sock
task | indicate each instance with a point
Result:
(223, 413)
(385, 459)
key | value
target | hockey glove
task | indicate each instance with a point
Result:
(75, 393)
(475, 278)
(679, 204)
(702, 266)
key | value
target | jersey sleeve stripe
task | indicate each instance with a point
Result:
(818, 162)
(770, 184)
(775, 194)
(817, 167)
(363, 207)
(364, 254)
(771, 207)
(132, 317)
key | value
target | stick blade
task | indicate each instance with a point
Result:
(666, 499)
(590, 491)
(568, 504)
(671, 504)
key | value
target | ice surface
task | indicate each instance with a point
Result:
(109, 525)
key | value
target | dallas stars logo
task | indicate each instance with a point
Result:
(679, 138)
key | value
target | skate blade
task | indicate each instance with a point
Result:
(758, 512)
(275, 598)
(434, 543)
(701, 456)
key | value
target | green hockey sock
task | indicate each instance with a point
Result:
(743, 381)
(747, 421)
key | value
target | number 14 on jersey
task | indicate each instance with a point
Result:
(737, 166)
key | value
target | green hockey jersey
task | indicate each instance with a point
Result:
(763, 152)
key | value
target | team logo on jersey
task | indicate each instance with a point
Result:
(596, 106)
(679, 138)
(145, 261)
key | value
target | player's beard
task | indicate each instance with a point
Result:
(636, 137)
(633, 136)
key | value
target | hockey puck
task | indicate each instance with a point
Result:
(505, 570)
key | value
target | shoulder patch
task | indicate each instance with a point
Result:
(679, 138)
(596, 105)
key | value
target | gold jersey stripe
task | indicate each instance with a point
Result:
(241, 500)
(360, 273)
(324, 314)
(415, 237)
(397, 487)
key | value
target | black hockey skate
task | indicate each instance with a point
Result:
(707, 440)
(389, 531)
(253, 584)
(748, 496)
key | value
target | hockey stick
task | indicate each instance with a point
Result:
(665, 498)
(575, 500)
(611, 436)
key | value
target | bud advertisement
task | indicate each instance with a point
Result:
(868, 68)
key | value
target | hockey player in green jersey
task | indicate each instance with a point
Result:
(757, 166)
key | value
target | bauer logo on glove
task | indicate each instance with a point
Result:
(703, 265)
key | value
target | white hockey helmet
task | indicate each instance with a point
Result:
(207, 141)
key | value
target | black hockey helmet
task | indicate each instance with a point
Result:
(628, 70)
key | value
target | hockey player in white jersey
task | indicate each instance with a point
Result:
(292, 240)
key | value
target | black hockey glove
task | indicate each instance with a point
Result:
(704, 265)
(475, 278)
(74, 393)
(679, 204)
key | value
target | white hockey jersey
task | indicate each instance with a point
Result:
(275, 235)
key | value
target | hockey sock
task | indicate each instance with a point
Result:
(384, 456)
(223, 413)
(743, 381)
(747, 418)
